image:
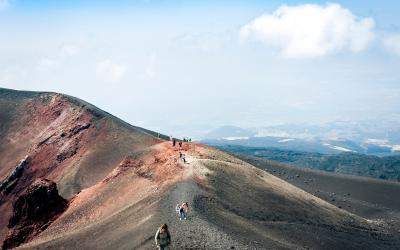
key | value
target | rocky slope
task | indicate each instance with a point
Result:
(60, 138)
(34, 211)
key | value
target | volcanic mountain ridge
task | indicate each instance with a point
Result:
(120, 182)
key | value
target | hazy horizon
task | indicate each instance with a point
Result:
(171, 65)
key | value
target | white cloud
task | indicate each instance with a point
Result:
(311, 30)
(46, 64)
(60, 56)
(392, 43)
(150, 71)
(69, 50)
(4, 4)
(205, 41)
(109, 71)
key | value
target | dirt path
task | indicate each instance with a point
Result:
(195, 232)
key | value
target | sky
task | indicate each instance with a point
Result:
(183, 66)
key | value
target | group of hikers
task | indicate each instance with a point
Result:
(182, 210)
(187, 139)
(163, 237)
(180, 143)
(174, 143)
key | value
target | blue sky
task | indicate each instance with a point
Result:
(174, 65)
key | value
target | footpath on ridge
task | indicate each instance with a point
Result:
(196, 232)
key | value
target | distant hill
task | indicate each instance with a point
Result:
(333, 138)
(387, 167)
(229, 133)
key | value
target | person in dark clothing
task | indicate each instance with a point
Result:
(163, 238)
(183, 210)
(173, 142)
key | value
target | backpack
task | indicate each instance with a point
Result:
(164, 238)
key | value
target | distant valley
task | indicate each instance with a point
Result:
(346, 148)
(333, 138)
(386, 167)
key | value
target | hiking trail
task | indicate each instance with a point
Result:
(195, 232)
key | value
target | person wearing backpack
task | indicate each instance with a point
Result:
(177, 208)
(163, 238)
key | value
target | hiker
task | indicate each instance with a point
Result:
(173, 142)
(182, 214)
(184, 208)
(180, 155)
(177, 208)
(180, 144)
(163, 238)
(185, 205)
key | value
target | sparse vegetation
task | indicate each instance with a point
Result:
(387, 167)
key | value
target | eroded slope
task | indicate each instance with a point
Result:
(62, 139)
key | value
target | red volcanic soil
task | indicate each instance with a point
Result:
(65, 139)
(121, 182)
